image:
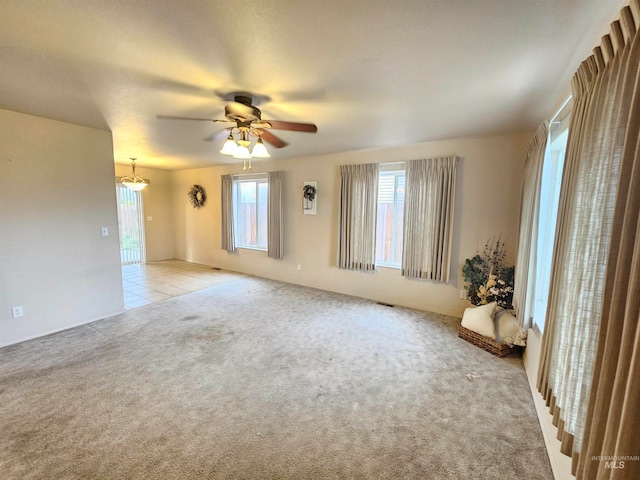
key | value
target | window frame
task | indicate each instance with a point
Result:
(550, 185)
(397, 170)
(259, 180)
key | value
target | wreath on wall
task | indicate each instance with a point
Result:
(197, 197)
(309, 192)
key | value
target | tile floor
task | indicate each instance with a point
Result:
(157, 281)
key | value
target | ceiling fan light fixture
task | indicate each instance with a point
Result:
(134, 181)
(259, 150)
(242, 152)
(244, 138)
(230, 146)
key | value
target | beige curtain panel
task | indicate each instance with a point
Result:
(275, 228)
(428, 218)
(357, 217)
(590, 362)
(525, 273)
(227, 227)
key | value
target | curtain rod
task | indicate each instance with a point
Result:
(564, 104)
(249, 175)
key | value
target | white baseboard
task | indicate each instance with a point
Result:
(61, 329)
(560, 463)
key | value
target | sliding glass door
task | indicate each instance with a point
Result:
(131, 226)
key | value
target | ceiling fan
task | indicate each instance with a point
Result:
(248, 122)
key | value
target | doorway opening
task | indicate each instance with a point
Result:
(131, 226)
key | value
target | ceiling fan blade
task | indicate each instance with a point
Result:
(222, 134)
(261, 124)
(171, 117)
(272, 139)
(293, 126)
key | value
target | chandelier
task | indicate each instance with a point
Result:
(133, 181)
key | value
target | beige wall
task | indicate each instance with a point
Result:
(157, 202)
(488, 197)
(56, 192)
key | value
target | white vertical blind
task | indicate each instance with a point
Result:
(130, 226)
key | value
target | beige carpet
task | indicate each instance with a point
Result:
(259, 379)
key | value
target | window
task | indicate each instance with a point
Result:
(389, 222)
(549, 198)
(250, 212)
(372, 219)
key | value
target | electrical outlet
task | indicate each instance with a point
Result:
(463, 294)
(105, 231)
(17, 312)
(299, 267)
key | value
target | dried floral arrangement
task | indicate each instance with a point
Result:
(487, 278)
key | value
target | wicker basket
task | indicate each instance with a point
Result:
(488, 344)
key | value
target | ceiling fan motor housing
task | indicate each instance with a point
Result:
(242, 111)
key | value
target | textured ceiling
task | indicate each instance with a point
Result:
(369, 73)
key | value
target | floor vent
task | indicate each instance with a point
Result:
(384, 304)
